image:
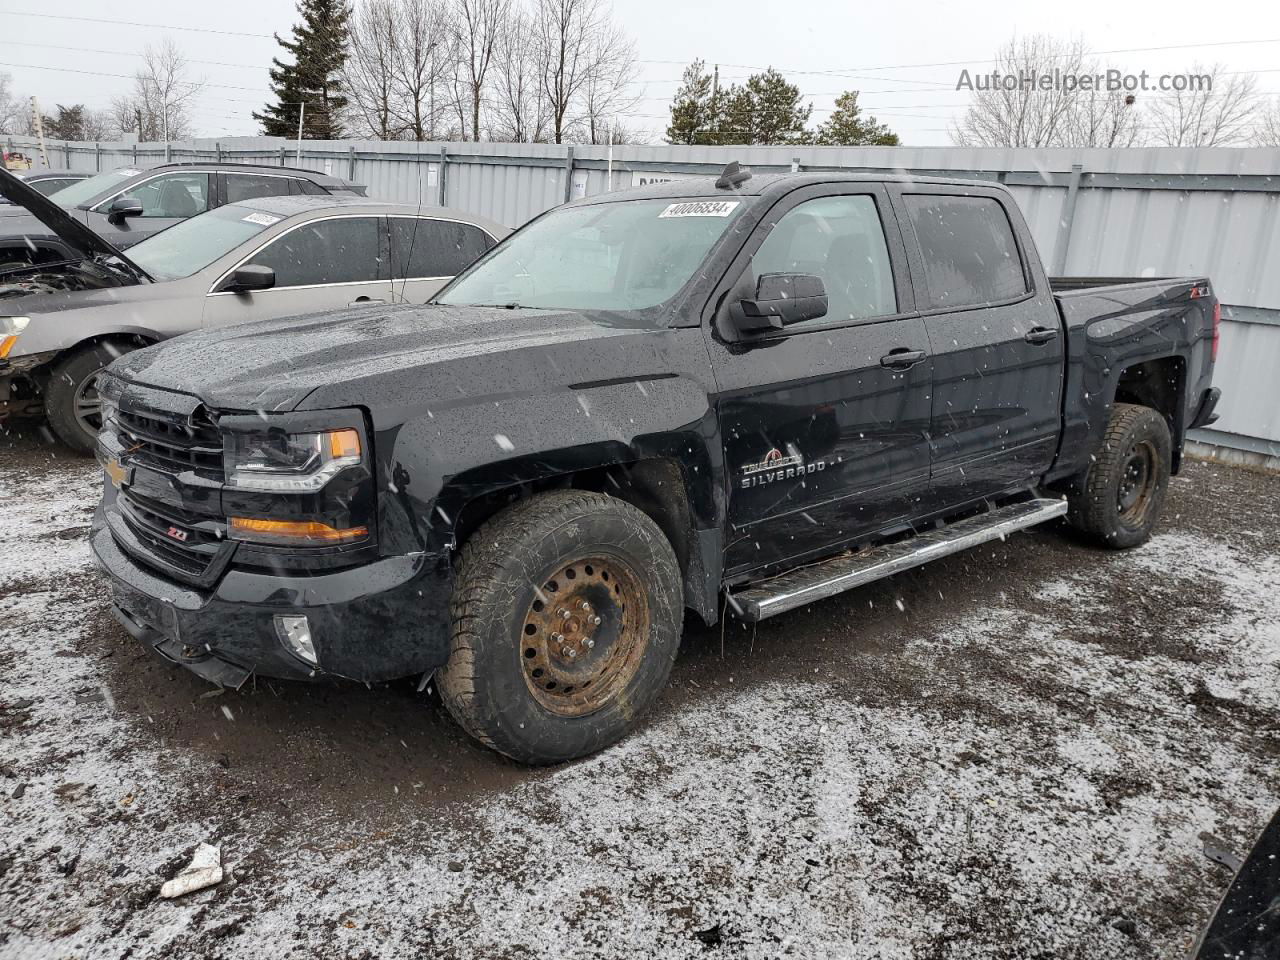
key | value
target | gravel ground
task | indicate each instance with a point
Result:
(1011, 753)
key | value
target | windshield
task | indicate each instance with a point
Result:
(83, 190)
(193, 244)
(627, 255)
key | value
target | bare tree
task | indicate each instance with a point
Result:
(1016, 115)
(520, 112)
(14, 110)
(160, 106)
(425, 57)
(610, 86)
(579, 47)
(1098, 118)
(1216, 113)
(1268, 130)
(368, 76)
(477, 26)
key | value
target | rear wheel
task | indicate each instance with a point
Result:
(71, 402)
(566, 619)
(1119, 500)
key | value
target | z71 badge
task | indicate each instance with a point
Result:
(775, 465)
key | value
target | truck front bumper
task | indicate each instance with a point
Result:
(374, 622)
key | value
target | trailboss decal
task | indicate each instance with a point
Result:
(775, 466)
(700, 208)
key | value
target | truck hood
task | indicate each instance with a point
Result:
(71, 231)
(364, 356)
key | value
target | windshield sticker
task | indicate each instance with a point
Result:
(701, 208)
(262, 219)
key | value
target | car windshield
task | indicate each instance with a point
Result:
(77, 193)
(193, 244)
(625, 255)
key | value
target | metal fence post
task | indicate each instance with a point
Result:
(442, 191)
(568, 173)
(97, 150)
(66, 154)
(217, 150)
(135, 154)
(1066, 221)
(351, 164)
(167, 155)
(282, 156)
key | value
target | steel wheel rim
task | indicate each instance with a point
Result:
(577, 659)
(1136, 490)
(87, 405)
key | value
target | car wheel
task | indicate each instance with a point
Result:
(71, 402)
(1120, 497)
(567, 614)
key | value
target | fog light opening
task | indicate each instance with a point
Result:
(295, 633)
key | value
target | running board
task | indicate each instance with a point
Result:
(807, 584)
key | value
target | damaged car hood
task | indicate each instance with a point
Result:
(389, 356)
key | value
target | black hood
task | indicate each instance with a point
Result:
(69, 230)
(358, 356)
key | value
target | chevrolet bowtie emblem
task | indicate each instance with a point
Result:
(116, 473)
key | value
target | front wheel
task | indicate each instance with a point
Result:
(567, 613)
(1119, 499)
(71, 402)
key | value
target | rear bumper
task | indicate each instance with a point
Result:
(377, 621)
(1205, 413)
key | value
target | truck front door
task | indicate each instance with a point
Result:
(995, 338)
(825, 423)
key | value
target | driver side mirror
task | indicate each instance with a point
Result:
(247, 277)
(122, 207)
(781, 299)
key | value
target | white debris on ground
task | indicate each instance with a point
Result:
(1044, 799)
(204, 870)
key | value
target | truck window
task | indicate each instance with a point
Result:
(841, 240)
(343, 250)
(422, 247)
(970, 257)
(248, 186)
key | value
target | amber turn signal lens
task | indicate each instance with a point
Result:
(344, 443)
(293, 531)
(6, 344)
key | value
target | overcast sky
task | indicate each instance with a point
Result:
(824, 46)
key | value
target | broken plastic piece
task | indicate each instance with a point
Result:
(205, 870)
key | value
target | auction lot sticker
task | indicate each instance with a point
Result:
(700, 208)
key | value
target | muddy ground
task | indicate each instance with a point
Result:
(1012, 753)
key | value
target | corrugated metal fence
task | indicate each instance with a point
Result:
(1138, 212)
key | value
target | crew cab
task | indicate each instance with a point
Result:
(743, 394)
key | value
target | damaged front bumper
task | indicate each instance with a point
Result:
(377, 621)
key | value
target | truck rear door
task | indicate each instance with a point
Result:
(825, 422)
(995, 337)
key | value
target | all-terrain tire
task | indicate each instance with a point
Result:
(65, 394)
(1119, 498)
(538, 619)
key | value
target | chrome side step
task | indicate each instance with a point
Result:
(807, 584)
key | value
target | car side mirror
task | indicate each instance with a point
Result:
(781, 299)
(122, 207)
(247, 277)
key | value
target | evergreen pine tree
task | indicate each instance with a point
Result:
(690, 110)
(319, 51)
(846, 127)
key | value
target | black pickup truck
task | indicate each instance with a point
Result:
(731, 396)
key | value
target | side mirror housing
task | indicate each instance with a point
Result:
(249, 276)
(122, 207)
(781, 299)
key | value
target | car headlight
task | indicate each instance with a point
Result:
(10, 328)
(273, 461)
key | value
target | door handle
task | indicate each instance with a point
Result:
(902, 358)
(1039, 335)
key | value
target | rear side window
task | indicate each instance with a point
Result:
(841, 240)
(422, 247)
(328, 251)
(248, 186)
(970, 257)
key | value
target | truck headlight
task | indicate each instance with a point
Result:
(10, 328)
(273, 461)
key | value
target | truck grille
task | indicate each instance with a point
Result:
(183, 540)
(172, 445)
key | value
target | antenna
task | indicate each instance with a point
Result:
(733, 174)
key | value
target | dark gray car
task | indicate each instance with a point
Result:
(128, 205)
(61, 323)
(50, 181)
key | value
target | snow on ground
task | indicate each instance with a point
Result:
(1019, 764)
